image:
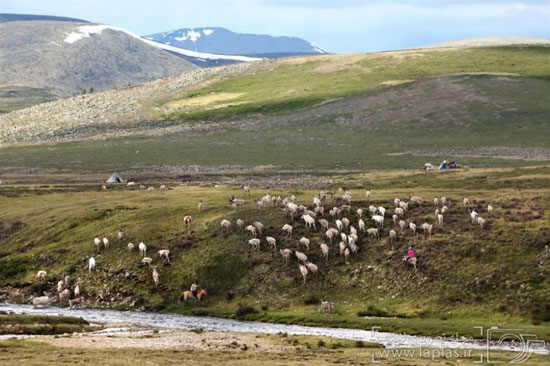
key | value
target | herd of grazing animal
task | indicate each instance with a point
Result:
(336, 223)
(340, 227)
(100, 244)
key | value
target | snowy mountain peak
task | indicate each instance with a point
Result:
(223, 41)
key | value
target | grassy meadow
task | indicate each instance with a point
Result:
(466, 276)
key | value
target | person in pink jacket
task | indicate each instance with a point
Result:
(410, 254)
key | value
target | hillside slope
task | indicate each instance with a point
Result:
(499, 274)
(62, 58)
(349, 111)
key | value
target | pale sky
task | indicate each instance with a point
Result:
(337, 25)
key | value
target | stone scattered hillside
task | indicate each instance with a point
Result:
(97, 113)
(63, 58)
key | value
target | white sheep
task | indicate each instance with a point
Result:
(226, 225)
(473, 216)
(290, 210)
(324, 224)
(440, 220)
(300, 256)
(466, 203)
(187, 220)
(162, 188)
(324, 249)
(346, 222)
(412, 226)
(120, 235)
(41, 275)
(259, 227)
(303, 271)
(393, 235)
(402, 224)
(427, 228)
(417, 199)
(60, 285)
(147, 260)
(404, 205)
(164, 253)
(286, 254)
(342, 245)
(40, 301)
(320, 210)
(142, 249)
(255, 244)
(353, 230)
(317, 201)
(310, 221)
(287, 229)
(65, 295)
(131, 247)
(251, 229)
(312, 267)
(199, 206)
(396, 202)
(344, 237)
(399, 211)
(330, 234)
(362, 225)
(373, 232)
(339, 224)
(382, 211)
(395, 218)
(346, 255)
(240, 223)
(97, 242)
(105, 243)
(379, 220)
(359, 213)
(246, 190)
(372, 210)
(444, 209)
(490, 210)
(91, 264)
(150, 189)
(272, 242)
(156, 276)
(481, 221)
(305, 242)
(436, 201)
(367, 195)
(77, 290)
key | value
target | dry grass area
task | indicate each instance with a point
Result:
(238, 349)
(203, 100)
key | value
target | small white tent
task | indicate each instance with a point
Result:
(115, 178)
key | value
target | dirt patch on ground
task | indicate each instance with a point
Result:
(202, 100)
(169, 340)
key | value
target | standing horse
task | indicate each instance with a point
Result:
(186, 295)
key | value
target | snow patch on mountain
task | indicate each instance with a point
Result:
(208, 32)
(191, 35)
(85, 31)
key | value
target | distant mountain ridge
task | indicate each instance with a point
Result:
(43, 60)
(223, 41)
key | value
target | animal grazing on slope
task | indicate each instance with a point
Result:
(142, 249)
(41, 275)
(91, 264)
(42, 301)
